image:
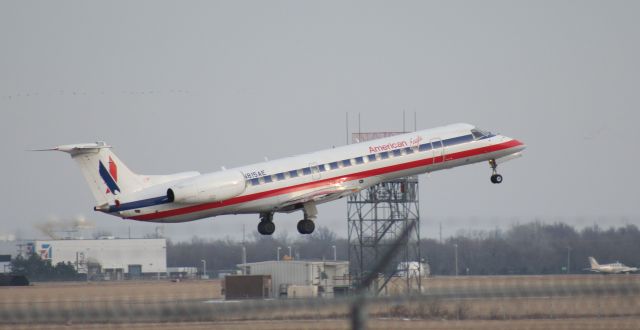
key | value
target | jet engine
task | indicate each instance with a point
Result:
(212, 187)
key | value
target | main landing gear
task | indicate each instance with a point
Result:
(306, 225)
(266, 226)
(495, 177)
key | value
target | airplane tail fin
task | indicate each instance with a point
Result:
(105, 173)
(593, 262)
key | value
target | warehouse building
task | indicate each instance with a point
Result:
(300, 278)
(108, 258)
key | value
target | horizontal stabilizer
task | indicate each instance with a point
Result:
(76, 148)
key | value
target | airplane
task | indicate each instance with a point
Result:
(283, 185)
(614, 268)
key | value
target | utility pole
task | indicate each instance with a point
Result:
(289, 247)
(335, 255)
(278, 252)
(347, 127)
(568, 259)
(404, 129)
(204, 268)
(455, 246)
(244, 254)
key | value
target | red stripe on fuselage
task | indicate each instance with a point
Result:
(328, 182)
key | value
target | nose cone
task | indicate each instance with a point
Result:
(519, 145)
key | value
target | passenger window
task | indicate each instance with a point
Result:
(334, 165)
(255, 182)
(408, 150)
(384, 155)
(267, 179)
(293, 173)
(346, 162)
(321, 168)
(397, 152)
(280, 176)
(425, 147)
(372, 158)
(306, 171)
(359, 160)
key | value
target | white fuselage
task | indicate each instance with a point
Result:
(283, 185)
(614, 268)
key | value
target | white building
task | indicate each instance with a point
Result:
(330, 277)
(112, 257)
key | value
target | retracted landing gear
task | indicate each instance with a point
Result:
(495, 177)
(266, 226)
(306, 225)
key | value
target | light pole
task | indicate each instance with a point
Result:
(204, 268)
(288, 247)
(335, 255)
(455, 246)
(278, 253)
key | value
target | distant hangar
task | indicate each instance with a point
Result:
(108, 258)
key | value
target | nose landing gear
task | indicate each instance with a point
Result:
(495, 177)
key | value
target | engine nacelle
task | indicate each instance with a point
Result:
(212, 187)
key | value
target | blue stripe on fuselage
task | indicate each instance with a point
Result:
(139, 204)
(111, 183)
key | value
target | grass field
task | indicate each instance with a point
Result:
(500, 302)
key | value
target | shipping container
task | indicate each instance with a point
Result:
(247, 287)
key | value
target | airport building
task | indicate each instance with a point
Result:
(300, 278)
(108, 258)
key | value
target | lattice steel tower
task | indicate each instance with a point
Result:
(376, 218)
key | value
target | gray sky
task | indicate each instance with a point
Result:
(188, 85)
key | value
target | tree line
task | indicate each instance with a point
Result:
(38, 269)
(531, 248)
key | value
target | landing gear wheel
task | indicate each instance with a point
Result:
(306, 226)
(495, 177)
(266, 228)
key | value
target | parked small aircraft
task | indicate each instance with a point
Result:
(614, 268)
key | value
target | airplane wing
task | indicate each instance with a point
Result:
(319, 196)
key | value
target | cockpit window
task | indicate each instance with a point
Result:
(480, 134)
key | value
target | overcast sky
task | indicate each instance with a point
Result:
(195, 85)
